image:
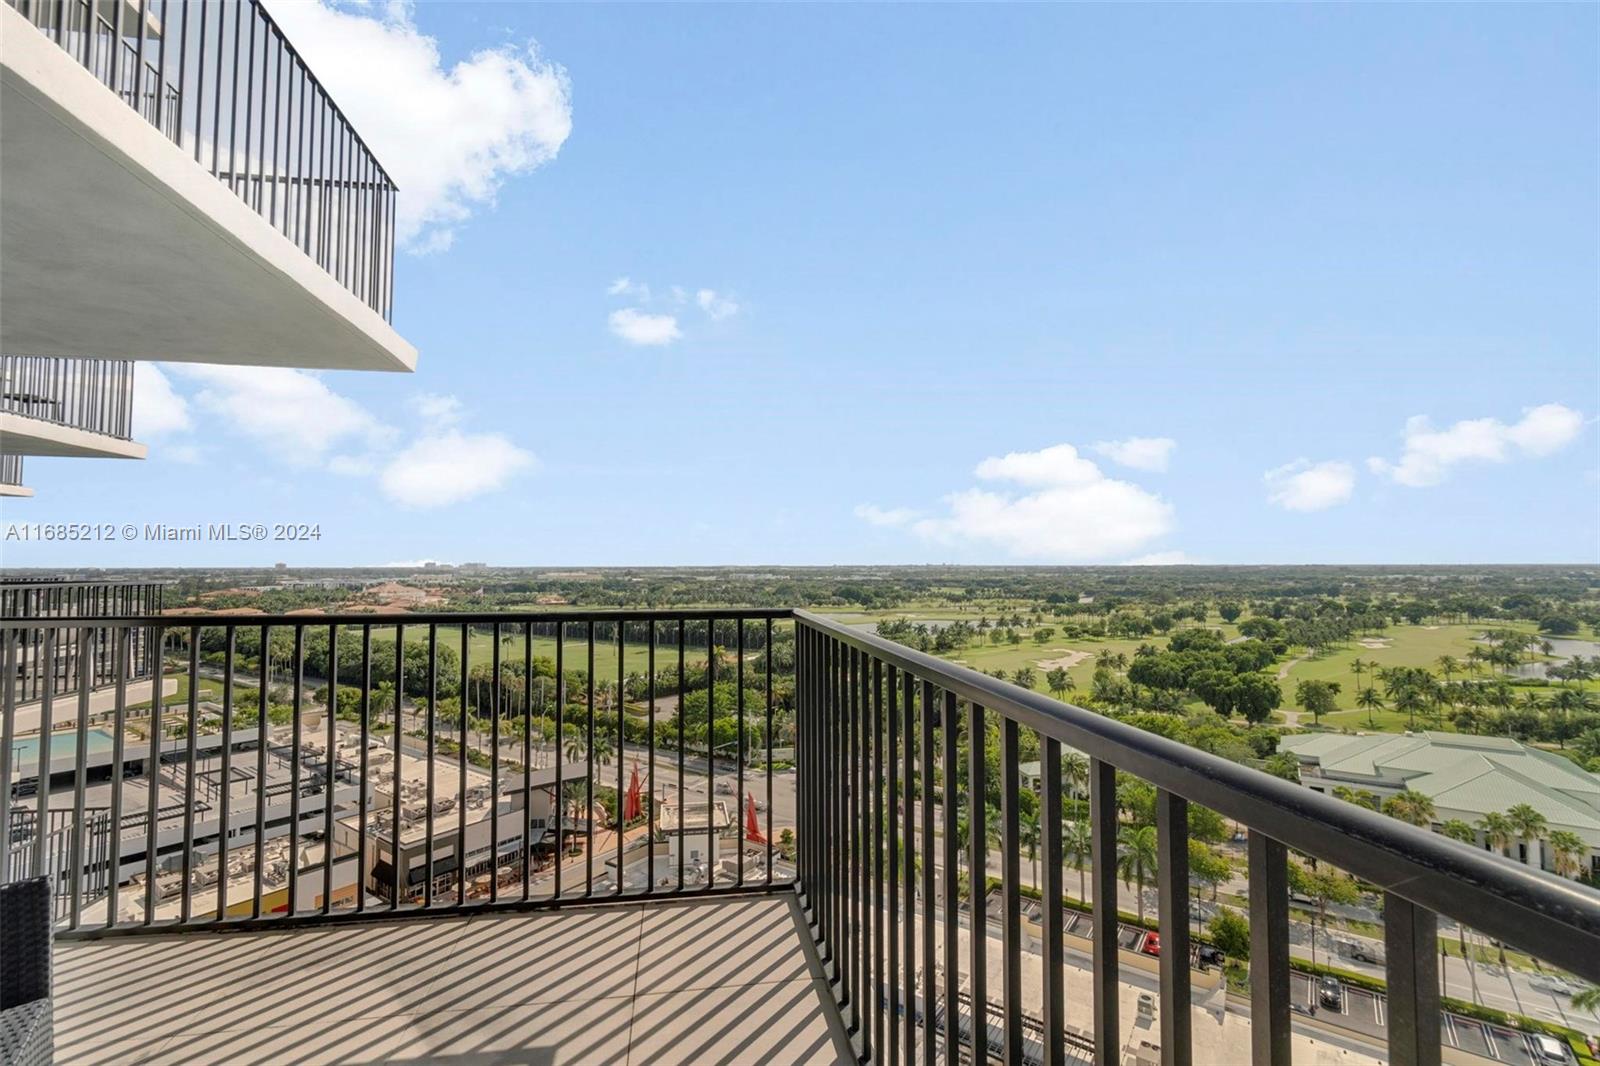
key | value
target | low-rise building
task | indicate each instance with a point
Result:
(1466, 777)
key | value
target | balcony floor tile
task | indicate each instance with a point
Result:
(729, 980)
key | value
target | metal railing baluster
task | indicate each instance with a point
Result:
(1269, 951)
(1172, 887)
(978, 875)
(192, 727)
(225, 793)
(1411, 972)
(366, 738)
(1010, 888)
(1103, 848)
(330, 752)
(1053, 926)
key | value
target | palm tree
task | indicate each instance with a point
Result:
(1137, 858)
(1588, 999)
(1456, 829)
(1075, 772)
(1529, 825)
(1409, 806)
(1369, 700)
(1358, 666)
(1567, 850)
(1497, 830)
(1029, 838)
(1077, 845)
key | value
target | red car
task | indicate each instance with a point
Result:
(1152, 944)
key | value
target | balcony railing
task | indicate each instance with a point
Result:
(10, 470)
(427, 810)
(220, 79)
(890, 738)
(34, 599)
(94, 395)
(897, 756)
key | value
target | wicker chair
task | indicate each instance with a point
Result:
(25, 1020)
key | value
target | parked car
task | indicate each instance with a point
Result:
(1209, 956)
(1152, 944)
(1363, 951)
(1330, 993)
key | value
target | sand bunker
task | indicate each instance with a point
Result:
(1067, 660)
(1374, 643)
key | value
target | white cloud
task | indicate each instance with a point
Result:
(1141, 453)
(1306, 486)
(639, 327)
(436, 409)
(449, 467)
(1075, 512)
(715, 305)
(157, 408)
(292, 412)
(625, 286)
(1059, 464)
(1167, 558)
(1429, 454)
(449, 137)
(885, 516)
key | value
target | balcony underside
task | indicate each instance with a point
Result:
(20, 435)
(118, 245)
(731, 980)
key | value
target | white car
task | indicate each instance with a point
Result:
(1549, 983)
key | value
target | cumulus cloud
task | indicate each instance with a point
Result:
(874, 515)
(449, 136)
(450, 466)
(625, 286)
(157, 407)
(1306, 486)
(1141, 453)
(1428, 454)
(292, 412)
(640, 327)
(715, 305)
(1074, 511)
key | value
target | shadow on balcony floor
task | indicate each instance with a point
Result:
(732, 980)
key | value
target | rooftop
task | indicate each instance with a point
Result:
(1464, 773)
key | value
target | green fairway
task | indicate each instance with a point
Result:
(480, 649)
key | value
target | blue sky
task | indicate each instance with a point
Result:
(908, 240)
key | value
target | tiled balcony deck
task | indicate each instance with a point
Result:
(732, 980)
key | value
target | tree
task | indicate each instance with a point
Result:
(1077, 842)
(1567, 851)
(1497, 830)
(1411, 807)
(1230, 932)
(1136, 858)
(1456, 829)
(1255, 696)
(1318, 697)
(1369, 700)
(1043, 635)
(1283, 765)
(1529, 825)
(1208, 867)
(1588, 999)
(1022, 677)
(1229, 611)
(1324, 885)
(1059, 682)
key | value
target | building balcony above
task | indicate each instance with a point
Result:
(184, 189)
(11, 477)
(72, 407)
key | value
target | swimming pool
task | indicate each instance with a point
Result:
(25, 751)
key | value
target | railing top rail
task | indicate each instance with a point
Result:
(1551, 917)
(384, 620)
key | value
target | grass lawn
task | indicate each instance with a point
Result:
(1419, 646)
